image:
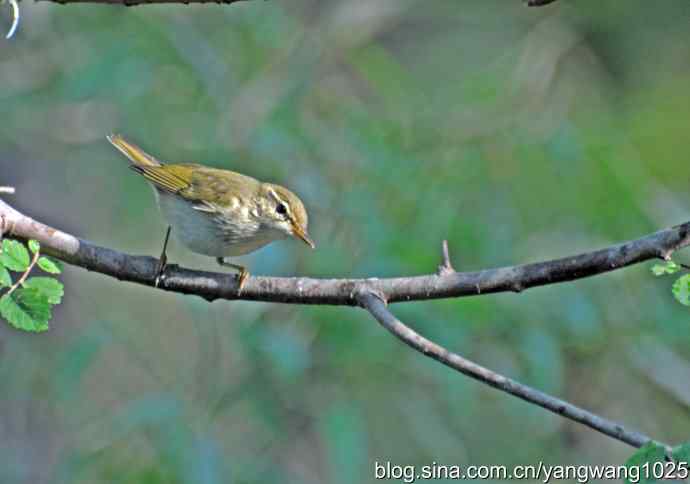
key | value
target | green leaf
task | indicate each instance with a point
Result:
(651, 452)
(27, 309)
(51, 288)
(34, 246)
(681, 289)
(681, 453)
(5, 278)
(49, 265)
(669, 267)
(14, 255)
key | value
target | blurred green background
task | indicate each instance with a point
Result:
(517, 134)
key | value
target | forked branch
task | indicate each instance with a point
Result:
(374, 294)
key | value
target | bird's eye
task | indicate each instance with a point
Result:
(281, 209)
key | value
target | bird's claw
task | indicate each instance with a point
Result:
(160, 274)
(241, 279)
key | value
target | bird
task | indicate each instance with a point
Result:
(215, 212)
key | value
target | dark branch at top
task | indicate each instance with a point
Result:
(132, 3)
(538, 3)
(129, 3)
(304, 290)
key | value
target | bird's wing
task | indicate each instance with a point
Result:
(220, 186)
(171, 178)
(175, 178)
(135, 154)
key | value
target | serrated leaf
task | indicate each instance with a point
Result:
(681, 289)
(14, 255)
(651, 452)
(49, 287)
(49, 265)
(5, 278)
(34, 246)
(26, 309)
(669, 267)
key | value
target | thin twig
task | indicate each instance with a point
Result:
(15, 18)
(22, 279)
(446, 267)
(377, 307)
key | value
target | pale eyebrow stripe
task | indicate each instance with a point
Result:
(280, 200)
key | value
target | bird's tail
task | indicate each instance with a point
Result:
(136, 155)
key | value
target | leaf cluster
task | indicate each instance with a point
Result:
(654, 464)
(681, 287)
(26, 302)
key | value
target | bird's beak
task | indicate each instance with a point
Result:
(301, 234)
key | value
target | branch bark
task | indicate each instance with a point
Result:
(130, 3)
(305, 290)
(373, 294)
(538, 3)
(377, 307)
(133, 3)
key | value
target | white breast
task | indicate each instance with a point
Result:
(204, 232)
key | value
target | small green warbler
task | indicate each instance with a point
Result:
(218, 213)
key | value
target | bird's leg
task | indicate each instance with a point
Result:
(241, 275)
(163, 261)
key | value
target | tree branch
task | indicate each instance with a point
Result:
(377, 307)
(24, 276)
(373, 294)
(305, 290)
(133, 3)
(130, 3)
(538, 3)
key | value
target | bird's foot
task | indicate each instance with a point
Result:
(160, 273)
(242, 272)
(241, 279)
